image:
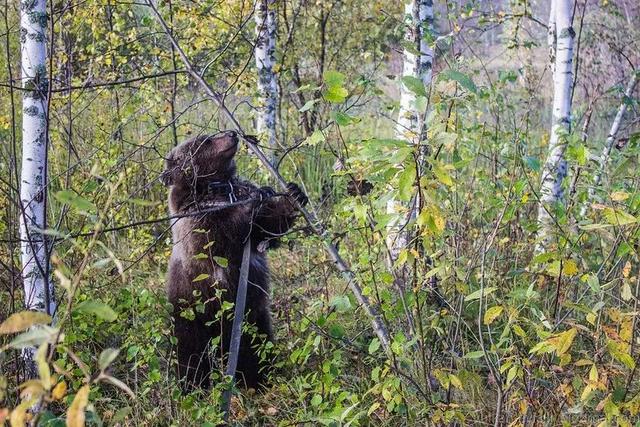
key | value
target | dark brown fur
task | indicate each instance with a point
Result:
(191, 167)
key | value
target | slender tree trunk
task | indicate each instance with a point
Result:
(38, 289)
(419, 20)
(552, 35)
(265, 53)
(555, 167)
(608, 146)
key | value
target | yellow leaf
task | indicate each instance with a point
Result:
(619, 196)
(443, 176)
(43, 366)
(626, 270)
(565, 359)
(569, 268)
(519, 331)
(562, 342)
(75, 414)
(455, 381)
(31, 389)
(586, 392)
(18, 417)
(59, 390)
(511, 375)
(626, 330)
(492, 314)
(22, 321)
(593, 373)
(439, 222)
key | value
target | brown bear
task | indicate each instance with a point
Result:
(217, 213)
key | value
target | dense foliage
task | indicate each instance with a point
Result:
(482, 329)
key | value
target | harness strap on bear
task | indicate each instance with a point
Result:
(236, 328)
(225, 188)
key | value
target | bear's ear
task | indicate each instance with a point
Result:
(166, 177)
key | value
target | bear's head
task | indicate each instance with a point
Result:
(201, 160)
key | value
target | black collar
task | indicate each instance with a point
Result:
(222, 188)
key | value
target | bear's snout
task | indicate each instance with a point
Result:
(232, 135)
(227, 142)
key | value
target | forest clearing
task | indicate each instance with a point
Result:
(319, 212)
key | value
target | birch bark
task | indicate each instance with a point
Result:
(552, 35)
(409, 126)
(38, 289)
(555, 167)
(608, 146)
(265, 54)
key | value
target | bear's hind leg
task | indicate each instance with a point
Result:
(253, 371)
(194, 366)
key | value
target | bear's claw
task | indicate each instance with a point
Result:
(298, 195)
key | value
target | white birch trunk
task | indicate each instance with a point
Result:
(552, 35)
(419, 21)
(265, 53)
(38, 290)
(555, 167)
(611, 139)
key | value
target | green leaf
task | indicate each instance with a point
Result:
(405, 182)
(335, 94)
(374, 345)
(342, 119)
(333, 78)
(316, 400)
(107, 357)
(308, 105)
(618, 217)
(221, 261)
(142, 202)
(593, 227)
(473, 355)
(97, 308)
(415, 85)
(336, 330)
(34, 337)
(476, 295)
(201, 277)
(316, 137)
(77, 202)
(463, 79)
(442, 174)
(532, 163)
(341, 303)
(511, 375)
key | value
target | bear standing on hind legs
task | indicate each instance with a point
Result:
(221, 213)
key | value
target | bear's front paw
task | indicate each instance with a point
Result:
(266, 192)
(298, 195)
